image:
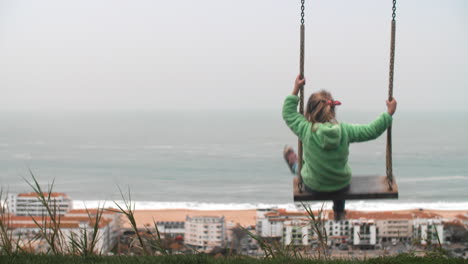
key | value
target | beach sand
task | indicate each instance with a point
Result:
(145, 217)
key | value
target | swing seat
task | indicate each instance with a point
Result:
(361, 187)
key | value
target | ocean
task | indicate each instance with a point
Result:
(218, 159)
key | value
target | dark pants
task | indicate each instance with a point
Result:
(338, 205)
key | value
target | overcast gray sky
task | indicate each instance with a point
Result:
(228, 54)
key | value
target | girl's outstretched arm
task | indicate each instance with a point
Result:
(360, 133)
(295, 121)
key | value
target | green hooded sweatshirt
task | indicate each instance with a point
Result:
(326, 147)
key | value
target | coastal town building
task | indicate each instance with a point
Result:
(248, 244)
(338, 232)
(28, 204)
(462, 218)
(298, 232)
(289, 228)
(390, 227)
(267, 225)
(429, 231)
(204, 233)
(27, 228)
(295, 228)
(395, 229)
(111, 221)
(239, 239)
(364, 233)
(171, 229)
(364, 230)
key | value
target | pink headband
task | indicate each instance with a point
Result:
(333, 103)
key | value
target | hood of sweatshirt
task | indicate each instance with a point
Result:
(329, 135)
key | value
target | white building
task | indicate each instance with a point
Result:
(204, 233)
(289, 228)
(265, 227)
(429, 231)
(364, 233)
(338, 232)
(28, 204)
(298, 232)
(270, 223)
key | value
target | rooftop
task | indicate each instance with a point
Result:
(387, 215)
(74, 221)
(92, 211)
(33, 225)
(53, 195)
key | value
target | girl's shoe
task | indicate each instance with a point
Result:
(291, 158)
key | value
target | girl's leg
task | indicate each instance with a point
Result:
(338, 205)
(291, 158)
(339, 209)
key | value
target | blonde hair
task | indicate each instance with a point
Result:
(318, 110)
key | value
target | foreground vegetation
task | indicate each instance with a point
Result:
(203, 258)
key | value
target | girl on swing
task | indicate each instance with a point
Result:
(326, 142)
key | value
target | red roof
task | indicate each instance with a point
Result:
(92, 211)
(463, 217)
(33, 194)
(424, 214)
(350, 215)
(33, 225)
(46, 218)
(284, 213)
(390, 215)
(74, 221)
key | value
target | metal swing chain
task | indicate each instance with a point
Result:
(301, 62)
(301, 93)
(389, 164)
(302, 11)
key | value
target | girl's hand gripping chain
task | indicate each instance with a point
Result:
(298, 84)
(391, 106)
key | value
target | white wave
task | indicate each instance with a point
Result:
(426, 179)
(351, 205)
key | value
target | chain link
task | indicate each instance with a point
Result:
(394, 10)
(302, 11)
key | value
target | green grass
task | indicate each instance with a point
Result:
(202, 258)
